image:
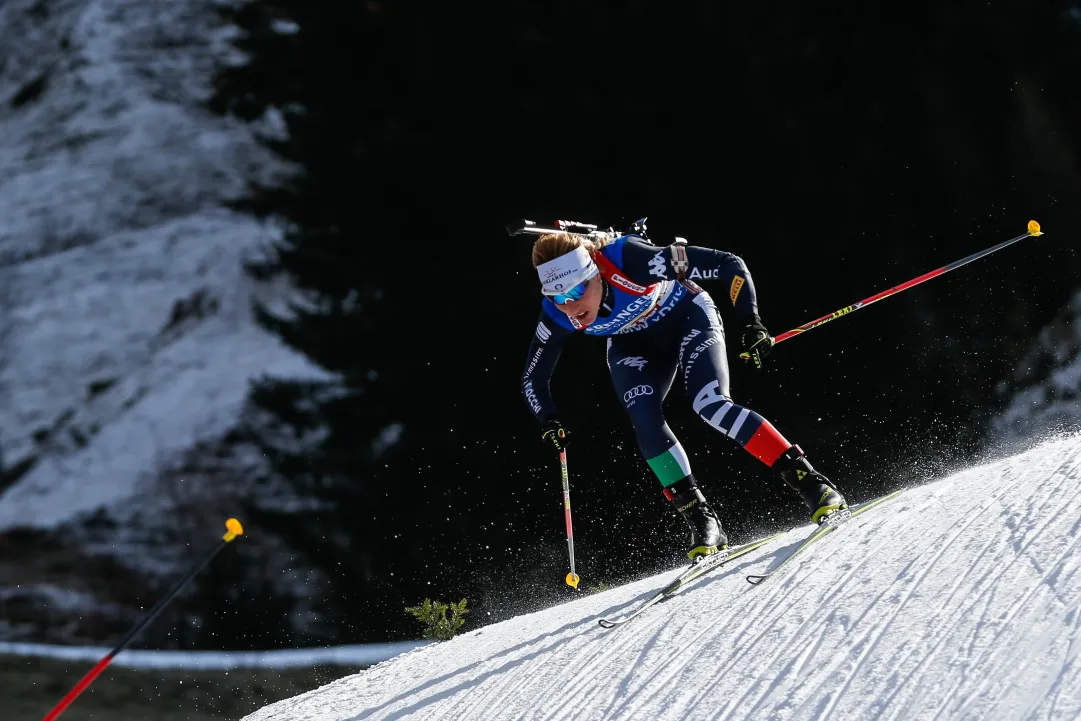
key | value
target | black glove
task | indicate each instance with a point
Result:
(555, 434)
(756, 342)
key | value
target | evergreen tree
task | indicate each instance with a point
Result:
(398, 475)
(327, 437)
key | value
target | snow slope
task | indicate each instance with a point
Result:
(960, 599)
(125, 314)
(127, 341)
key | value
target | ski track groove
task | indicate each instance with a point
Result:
(948, 697)
(572, 676)
(994, 586)
(868, 641)
(1046, 637)
(1072, 651)
(774, 598)
(801, 660)
(671, 663)
(962, 613)
(575, 674)
(533, 653)
(959, 615)
(483, 670)
(767, 599)
(829, 601)
(921, 664)
(511, 682)
(900, 519)
(1071, 655)
(748, 618)
(582, 673)
(791, 584)
(502, 691)
(676, 603)
(915, 584)
(626, 694)
(1020, 551)
(1017, 671)
(994, 648)
(943, 635)
(645, 639)
(627, 679)
(788, 587)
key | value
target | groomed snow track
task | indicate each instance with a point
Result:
(965, 605)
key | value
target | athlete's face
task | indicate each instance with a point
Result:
(584, 310)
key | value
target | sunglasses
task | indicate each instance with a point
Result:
(574, 293)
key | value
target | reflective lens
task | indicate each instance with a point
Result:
(574, 293)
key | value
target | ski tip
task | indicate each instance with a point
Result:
(755, 580)
(1034, 228)
(605, 623)
(232, 530)
(572, 580)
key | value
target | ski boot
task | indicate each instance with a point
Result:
(707, 536)
(821, 496)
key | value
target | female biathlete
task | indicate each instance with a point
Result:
(644, 299)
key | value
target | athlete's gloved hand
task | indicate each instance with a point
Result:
(555, 434)
(756, 342)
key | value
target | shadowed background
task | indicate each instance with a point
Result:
(838, 150)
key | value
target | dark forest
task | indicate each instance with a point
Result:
(839, 149)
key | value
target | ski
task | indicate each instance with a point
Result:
(830, 523)
(697, 569)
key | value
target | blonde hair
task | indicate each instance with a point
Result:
(551, 246)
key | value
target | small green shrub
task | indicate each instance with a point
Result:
(597, 587)
(433, 614)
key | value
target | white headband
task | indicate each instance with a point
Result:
(566, 271)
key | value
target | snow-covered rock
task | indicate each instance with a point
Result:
(1044, 392)
(126, 335)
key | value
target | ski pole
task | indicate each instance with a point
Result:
(1033, 230)
(233, 529)
(572, 577)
